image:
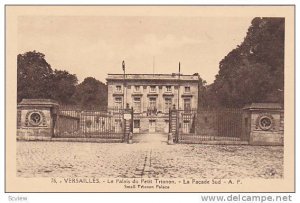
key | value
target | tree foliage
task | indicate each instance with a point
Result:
(32, 75)
(91, 93)
(254, 71)
(36, 79)
(62, 86)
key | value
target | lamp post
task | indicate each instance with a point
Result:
(178, 86)
(123, 67)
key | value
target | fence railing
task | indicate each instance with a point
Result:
(209, 124)
(75, 122)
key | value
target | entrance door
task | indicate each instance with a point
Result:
(152, 126)
(136, 126)
(186, 127)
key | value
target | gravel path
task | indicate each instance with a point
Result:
(149, 156)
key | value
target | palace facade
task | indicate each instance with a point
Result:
(151, 96)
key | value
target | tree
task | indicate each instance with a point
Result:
(33, 73)
(254, 71)
(91, 93)
(36, 79)
(62, 86)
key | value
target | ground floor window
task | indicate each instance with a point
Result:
(136, 123)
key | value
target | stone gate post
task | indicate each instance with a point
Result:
(37, 119)
(173, 125)
(128, 124)
(263, 124)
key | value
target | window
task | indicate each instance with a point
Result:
(168, 104)
(137, 104)
(136, 123)
(187, 104)
(136, 88)
(118, 88)
(152, 88)
(168, 88)
(152, 101)
(152, 106)
(118, 102)
(187, 89)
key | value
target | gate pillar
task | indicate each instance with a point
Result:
(263, 124)
(170, 139)
(36, 119)
(128, 120)
(173, 129)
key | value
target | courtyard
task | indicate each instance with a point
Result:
(149, 157)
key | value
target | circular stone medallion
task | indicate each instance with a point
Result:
(265, 122)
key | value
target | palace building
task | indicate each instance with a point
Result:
(151, 96)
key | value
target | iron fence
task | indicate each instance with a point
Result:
(75, 122)
(209, 124)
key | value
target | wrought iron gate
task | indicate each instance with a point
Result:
(207, 124)
(78, 123)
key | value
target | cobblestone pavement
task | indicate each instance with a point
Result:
(149, 156)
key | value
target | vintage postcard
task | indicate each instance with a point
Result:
(149, 98)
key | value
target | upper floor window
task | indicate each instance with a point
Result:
(168, 104)
(118, 88)
(152, 106)
(137, 104)
(168, 88)
(152, 102)
(152, 88)
(136, 88)
(187, 89)
(187, 104)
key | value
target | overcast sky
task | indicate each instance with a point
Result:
(95, 46)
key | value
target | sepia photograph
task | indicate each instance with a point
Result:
(150, 98)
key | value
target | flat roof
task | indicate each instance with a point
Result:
(174, 76)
